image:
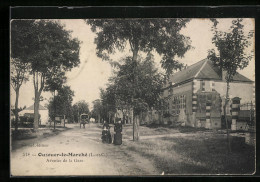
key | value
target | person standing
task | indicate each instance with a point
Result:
(106, 136)
(118, 134)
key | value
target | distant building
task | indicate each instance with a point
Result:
(44, 114)
(196, 95)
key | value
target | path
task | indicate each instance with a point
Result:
(101, 159)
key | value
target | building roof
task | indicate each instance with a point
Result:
(203, 69)
(32, 107)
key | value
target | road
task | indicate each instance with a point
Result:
(100, 159)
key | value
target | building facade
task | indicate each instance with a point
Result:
(44, 113)
(196, 95)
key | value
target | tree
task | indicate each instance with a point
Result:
(51, 51)
(80, 107)
(83, 107)
(231, 55)
(142, 35)
(97, 110)
(75, 113)
(148, 88)
(19, 68)
(18, 77)
(62, 103)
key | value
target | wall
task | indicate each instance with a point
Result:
(178, 89)
(151, 117)
(184, 89)
(242, 126)
(209, 85)
(44, 115)
(241, 90)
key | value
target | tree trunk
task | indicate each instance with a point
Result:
(38, 81)
(135, 53)
(36, 109)
(134, 59)
(54, 124)
(132, 120)
(137, 127)
(225, 116)
(16, 109)
(151, 116)
(134, 128)
(64, 120)
(99, 118)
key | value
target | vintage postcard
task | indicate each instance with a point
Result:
(132, 97)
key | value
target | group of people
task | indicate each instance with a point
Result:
(106, 135)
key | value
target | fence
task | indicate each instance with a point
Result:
(247, 106)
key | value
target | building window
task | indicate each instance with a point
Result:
(213, 86)
(174, 105)
(178, 103)
(203, 85)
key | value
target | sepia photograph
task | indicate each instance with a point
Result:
(132, 97)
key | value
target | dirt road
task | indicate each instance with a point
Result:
(78, 152)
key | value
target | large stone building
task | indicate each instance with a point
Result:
(196, 96)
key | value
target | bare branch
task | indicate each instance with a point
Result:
(12, 85)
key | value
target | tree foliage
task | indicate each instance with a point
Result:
(18, 76)
(231, 55)
(147, 84)
(80, 107)
(98, 110)
(83, 107)
(19, 73)
(19, 109)
(231, 47)
(50, 51)
(61, 104)
(18, 64)
(142, 35)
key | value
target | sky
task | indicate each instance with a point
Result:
(93, 73)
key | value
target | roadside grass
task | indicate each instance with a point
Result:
(24, 137)
(157, 129)
(188, 129)
(28, 133)
(197, 155)
(146, 131)
(162, 130)
(22, 134)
